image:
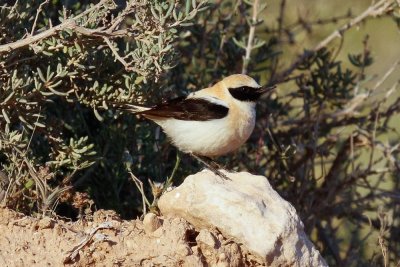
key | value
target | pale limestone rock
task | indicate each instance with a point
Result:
(193, 261)
(45, 222)
(247, 209)
(151, 223)
(207, 244)
(207, 238)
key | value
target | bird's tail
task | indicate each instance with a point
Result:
(129, 107)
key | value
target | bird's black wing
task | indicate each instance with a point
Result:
(189, 109)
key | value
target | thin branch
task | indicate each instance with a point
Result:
(386, 75)
(73, 253)
(36, 38)
(250, 41)
(37, 15)
(127, 66)
(139, 185)
(117, 21)
(372, 11)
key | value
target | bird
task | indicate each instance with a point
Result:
(211, 122)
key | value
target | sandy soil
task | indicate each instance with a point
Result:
(106, 240)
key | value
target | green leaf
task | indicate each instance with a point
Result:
(97, 115)
(240, 44)
(41, 76)
(29, 184)
(187, 6)
(5, 116)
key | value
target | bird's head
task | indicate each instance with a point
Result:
(244, 88)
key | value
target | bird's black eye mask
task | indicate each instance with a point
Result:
(247, 93)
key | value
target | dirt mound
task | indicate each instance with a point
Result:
(106, 240)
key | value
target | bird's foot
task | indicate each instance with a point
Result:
(211, 165)
(220, 174)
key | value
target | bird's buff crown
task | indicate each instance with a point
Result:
(239, 80)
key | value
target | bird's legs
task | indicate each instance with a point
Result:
(211, 165)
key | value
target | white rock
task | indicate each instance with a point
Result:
(206, 238)
(247, 209)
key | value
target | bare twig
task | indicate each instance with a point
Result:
(75, 250)
(386, 75)
(250, 41)
(12, 8)
(37, 15)
(128, 9)
(139, 185)
(383, 219)
(127, 66)
(373, 138)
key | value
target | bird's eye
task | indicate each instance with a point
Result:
(245, 93)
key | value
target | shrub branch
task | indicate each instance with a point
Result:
(67, 24)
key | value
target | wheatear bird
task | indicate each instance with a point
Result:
(210, 122)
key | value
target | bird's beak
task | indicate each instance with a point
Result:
(266, 90)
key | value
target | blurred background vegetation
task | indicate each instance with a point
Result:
(328, 139)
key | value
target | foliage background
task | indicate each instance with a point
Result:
(328, 139)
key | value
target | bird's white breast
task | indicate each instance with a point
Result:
(213, 137)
